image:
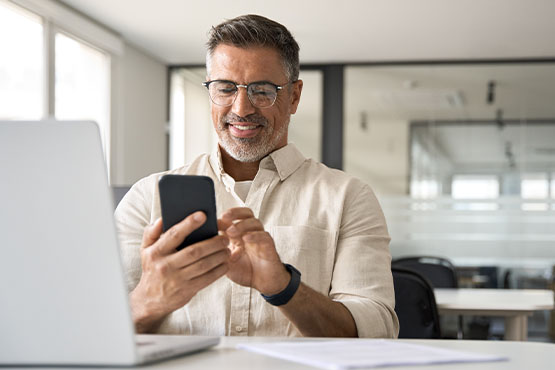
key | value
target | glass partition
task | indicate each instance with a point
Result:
(462, 159)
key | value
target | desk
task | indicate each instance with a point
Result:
(515, 305)
(522, 355)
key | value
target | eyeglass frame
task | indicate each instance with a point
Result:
(246, 87)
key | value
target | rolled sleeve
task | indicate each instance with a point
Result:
(362, 279)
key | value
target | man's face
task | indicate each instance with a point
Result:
(245, 132)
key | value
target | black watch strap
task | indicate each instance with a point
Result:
(286, 294)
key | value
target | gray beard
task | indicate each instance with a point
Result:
(249, 150)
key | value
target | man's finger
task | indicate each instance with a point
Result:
(238, 213)
(244, 226)
(222, 225)
(199, 250)
(204, 265)
(236, 251)
(152, 233)
(261, 244)
(258, 237)
(211, 276)
(173, 237)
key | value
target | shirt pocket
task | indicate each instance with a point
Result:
(311, 250)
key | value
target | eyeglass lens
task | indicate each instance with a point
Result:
(261, 94)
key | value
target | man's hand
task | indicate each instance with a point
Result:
(171, 278)
(254, 260)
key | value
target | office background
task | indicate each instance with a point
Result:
(444, 107)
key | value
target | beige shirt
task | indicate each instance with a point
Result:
(325, 223)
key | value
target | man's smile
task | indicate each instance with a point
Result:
(244, 129)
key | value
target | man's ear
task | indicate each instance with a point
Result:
(297, 88)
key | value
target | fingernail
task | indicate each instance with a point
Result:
(199, 216)
(232, 230)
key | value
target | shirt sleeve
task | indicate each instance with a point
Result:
(132, 216)
(362, 279)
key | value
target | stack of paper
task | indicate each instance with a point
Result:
(363, 353)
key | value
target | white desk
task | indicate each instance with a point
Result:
(515, 305)
(522, 355)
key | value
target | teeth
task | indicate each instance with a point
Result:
(244, 128)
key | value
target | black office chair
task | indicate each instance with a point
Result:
(440, 272)
(415, 305)
(118, 192)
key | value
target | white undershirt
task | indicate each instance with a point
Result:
(242, 189)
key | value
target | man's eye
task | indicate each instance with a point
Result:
(261, 92)
(226, 90)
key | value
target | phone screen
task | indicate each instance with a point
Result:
(182, 195)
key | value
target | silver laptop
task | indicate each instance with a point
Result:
(63, 298)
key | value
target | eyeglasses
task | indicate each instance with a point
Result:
(262, 94)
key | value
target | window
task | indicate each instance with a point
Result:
(76, 87)
(534, 186)
(21, 64)
(424, 189)
(475, 187)
(82, 84)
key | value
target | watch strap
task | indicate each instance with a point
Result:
(286, 294)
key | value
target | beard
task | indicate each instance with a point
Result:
(251, 149)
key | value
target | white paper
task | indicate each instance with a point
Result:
(363, 353)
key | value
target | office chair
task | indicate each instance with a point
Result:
(118, 192)
(415, 305)
(440, 272)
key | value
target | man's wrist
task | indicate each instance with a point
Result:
(278, 283)
(144, 321)
(286, 294)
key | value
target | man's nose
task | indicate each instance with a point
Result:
(242, 106)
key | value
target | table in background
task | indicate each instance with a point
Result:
(515, 305)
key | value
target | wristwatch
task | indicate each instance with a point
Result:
(286, 294)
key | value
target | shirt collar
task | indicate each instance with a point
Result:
(285, 161)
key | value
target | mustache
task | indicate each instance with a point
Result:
(254, 118)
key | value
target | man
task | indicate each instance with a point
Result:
(280, 216)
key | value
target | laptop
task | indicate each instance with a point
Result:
(63, 296)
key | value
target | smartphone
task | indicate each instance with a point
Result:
(182, 195)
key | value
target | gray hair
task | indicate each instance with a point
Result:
(254, 30)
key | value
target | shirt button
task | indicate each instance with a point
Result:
(238, 329)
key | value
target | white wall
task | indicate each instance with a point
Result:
(139, 95)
